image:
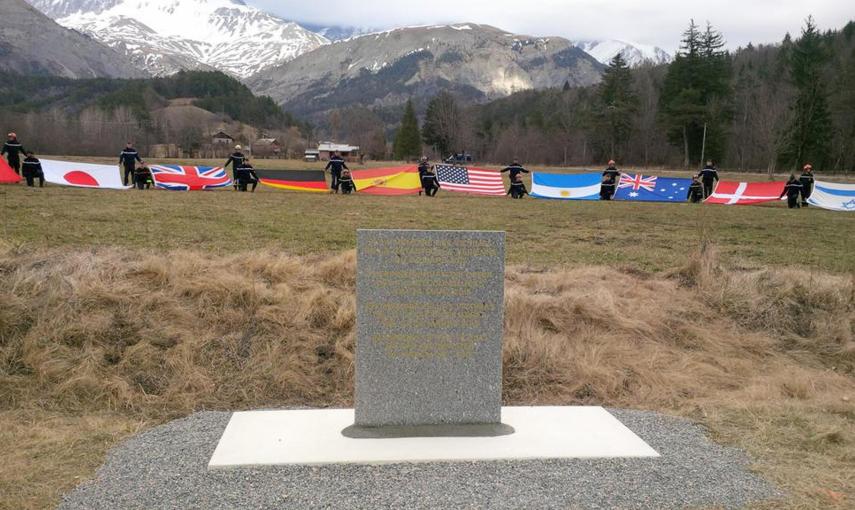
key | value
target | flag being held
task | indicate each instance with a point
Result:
(189, 178)
(470, 180)
(566, 186)
(641, 188)
(746, 193)
(82, 175)
(394, 181)
(833, 196)
(295, 180)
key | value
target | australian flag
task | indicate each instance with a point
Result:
(641, 188)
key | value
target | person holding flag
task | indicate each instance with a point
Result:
(430, 183)
(335, 166)
(517, 189)
(611, 172)
(245, 175)
(142, 176)
(807, 182)
(32, 170)
(13, 150)
(236, 160)
(346, 183)
(793, 190)
(696, 191)
(609, 185)
(128, 158)
(515, 169)
(708, 176)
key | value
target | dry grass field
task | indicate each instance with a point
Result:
(122, 310)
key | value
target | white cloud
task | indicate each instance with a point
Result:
(658, 22)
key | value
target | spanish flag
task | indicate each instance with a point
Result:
(297, 180)
(396, 181)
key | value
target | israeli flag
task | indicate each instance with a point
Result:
(566, 186)
(833, 196)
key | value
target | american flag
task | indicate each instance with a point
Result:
(637, 182)
(470, 180)
(186, 178)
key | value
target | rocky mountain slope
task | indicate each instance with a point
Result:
(33, 44)
(478, 62)
(165, 36)
(635, 54)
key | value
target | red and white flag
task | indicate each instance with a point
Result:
(470, 180)
(82, 175)
(746, 193)
(7, 175)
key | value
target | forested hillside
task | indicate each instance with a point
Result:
(758, 108)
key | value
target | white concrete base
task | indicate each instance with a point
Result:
(265, 438)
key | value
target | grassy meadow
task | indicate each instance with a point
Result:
(122, 310)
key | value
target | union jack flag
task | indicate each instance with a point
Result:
(637, 182)
(189, 178)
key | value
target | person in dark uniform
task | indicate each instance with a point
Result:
(608, 187)
(430, 184)
(13, 150)
(128, 158)
(142, 176)
(517, 189)
(335, 166)
(793, 190)
(246, 175)
(612, 172)
(345, 182)
(708, 176)
(807, 181)
(515, 169)
(696, 191)
(236, 161)
(32, 170)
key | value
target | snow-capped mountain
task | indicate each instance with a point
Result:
(165, 36)
(635, 54)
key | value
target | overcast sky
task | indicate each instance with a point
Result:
(657, 22)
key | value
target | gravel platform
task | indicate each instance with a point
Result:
(165, 468)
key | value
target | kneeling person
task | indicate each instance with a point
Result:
(32, 170)
(142, 176)
(696, 191)
(345, 182)
(430, 184)
(793, 190)
(518, 189)
(246, 175)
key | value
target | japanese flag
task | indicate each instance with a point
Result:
(82, 175)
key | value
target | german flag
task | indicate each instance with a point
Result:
(297, 180)
(395, 181)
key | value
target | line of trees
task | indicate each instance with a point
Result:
(773, 108)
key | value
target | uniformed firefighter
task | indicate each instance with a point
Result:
(807, 181)
(696, 191)
(142, 176)
(517, 189)
(515, 169)
(793, 190)
(246, 175)
(430, 183)
(335, 167)
(32, 170)
(345, 182)
(13, 150)
(708, 176)
(612, 172)
(236, 161)
(128, 159)
(608, 187)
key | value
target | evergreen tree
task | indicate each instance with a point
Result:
(408, 141)
(616, 107)
(808, 135)
(443, 123)
(695, 102)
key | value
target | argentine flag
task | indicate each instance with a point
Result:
(833, 196)
(566, 186)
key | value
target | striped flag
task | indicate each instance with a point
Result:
(470, 180)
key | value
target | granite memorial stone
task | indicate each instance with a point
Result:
(429, 334)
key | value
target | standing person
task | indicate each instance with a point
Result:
(807, 181)
(608, 187)
(708, 176)
(246, 175)
(517, 189)
(612, 173)
(515, 169)
(32, 169)
(793, 190)
(128, 159)
(142, 176)
(430, 184)
(236, 160)
(13, 150)
(335, 166)
(696, 191)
